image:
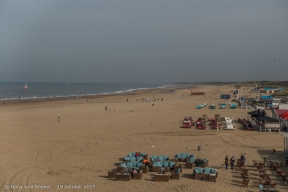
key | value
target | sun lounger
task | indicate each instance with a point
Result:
(145, 169)
(178, 168)
(209, 173)
(186, 125)
(201, 126)
(229, 126)
(264, 189)
(182, 157)
(162, 164)
(123, 177)
(212, 178)
(198, 173)
(112, 174)
(175, 174)
(245, 182)
(137, 176)
(204, 163)
(190, 165)
(161, 177)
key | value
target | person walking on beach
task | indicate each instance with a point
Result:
(244, 158)
(226, 162)
(232, 160)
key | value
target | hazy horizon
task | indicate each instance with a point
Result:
(143, 41)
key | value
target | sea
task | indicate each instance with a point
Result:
(15, 90)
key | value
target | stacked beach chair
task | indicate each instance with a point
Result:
(187, 122)
(228, 123)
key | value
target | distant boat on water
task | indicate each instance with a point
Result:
(25, 86)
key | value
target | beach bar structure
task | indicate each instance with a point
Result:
(225, 96)
(260, 121)
(257, 113)
(266, 124)
(282, 116)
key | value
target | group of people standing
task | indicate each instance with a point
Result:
(232, 161)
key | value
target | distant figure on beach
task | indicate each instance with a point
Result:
(162, 99)
(127, 100)
(145, 162)
(197, 162)
(132, 172)
(106, 108)
(226, 162)
(3, 102)
(274, 151)
(232, 160)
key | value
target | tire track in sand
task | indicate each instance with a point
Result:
(41, 161)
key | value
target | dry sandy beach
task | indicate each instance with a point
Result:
(39, 152)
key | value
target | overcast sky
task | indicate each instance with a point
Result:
(143, 40)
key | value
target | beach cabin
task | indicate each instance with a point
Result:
(267, 100)
(283, 106)
(267, 90)
(266, 97)
(225, 96)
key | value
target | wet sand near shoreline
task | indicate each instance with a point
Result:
(37, 150)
